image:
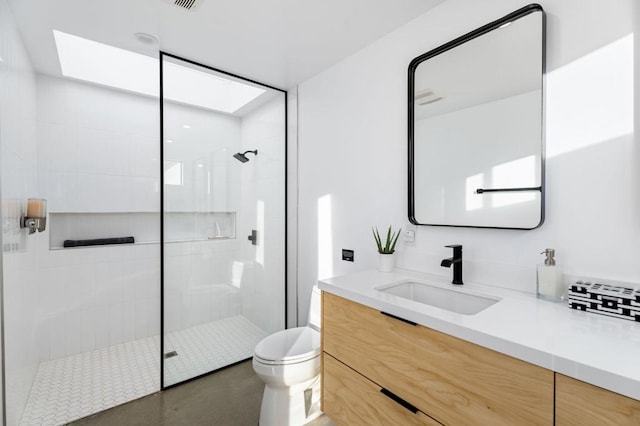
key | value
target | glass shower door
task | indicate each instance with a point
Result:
(223, 236)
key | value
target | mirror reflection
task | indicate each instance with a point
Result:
(475, 136)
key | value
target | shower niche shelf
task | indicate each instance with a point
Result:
(197, 226)
(181, 226)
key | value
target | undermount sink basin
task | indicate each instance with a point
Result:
(450, 300)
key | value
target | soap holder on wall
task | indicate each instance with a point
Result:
(605, 299)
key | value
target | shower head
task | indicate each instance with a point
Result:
(242, 157)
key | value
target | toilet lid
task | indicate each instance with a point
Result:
(292, 345)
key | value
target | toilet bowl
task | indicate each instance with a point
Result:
(289, 364)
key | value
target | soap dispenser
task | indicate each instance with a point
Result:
(550, 279)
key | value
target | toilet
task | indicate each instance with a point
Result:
(289, 364)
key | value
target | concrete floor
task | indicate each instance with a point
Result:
(230, 397)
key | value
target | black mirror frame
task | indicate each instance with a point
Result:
(526, 10)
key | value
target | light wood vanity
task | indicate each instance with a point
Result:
(450, 380)
(380, 369)
(579, 403)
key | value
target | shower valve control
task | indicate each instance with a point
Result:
(253, 237)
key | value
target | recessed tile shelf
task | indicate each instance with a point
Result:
(143, 226)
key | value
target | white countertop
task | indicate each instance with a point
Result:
(593, 348)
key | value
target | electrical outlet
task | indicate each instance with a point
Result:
(347, 255)
(410, 231)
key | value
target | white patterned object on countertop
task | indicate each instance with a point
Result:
(605, 299)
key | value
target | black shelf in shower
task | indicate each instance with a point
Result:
(98, 242)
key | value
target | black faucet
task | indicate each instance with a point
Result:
(456, 261)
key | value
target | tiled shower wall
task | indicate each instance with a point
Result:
(105, 159)
(202, 282)
(91, 298)
(263, 206)
(18, 169)
(98, 151)
(98, 148)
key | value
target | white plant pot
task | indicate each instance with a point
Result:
(386, 262)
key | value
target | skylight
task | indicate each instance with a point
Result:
(111, 66)
(106, 65)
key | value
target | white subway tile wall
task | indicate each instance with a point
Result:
(97, 297)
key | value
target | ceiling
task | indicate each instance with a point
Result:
(276, 42)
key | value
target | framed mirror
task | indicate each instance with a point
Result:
(476, 149)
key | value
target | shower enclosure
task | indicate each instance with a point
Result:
(86, 328)
(223, 218)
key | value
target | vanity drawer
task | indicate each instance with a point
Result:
(351, 399)
(451, 380)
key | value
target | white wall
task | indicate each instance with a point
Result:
(18, 178)
(352, 148)
(292, 207)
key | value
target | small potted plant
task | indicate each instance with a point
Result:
(386, 259)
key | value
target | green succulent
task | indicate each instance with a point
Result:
(390, 243)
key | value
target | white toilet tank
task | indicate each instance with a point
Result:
(314, 320)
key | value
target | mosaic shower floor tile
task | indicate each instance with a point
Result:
(76, 386)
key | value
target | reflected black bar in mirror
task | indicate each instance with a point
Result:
(532, 188)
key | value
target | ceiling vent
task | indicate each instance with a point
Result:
(426, 97)
(185, 4)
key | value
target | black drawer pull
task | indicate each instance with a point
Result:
(398, 318)
(399, 400)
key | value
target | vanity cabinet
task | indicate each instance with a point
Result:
(450, 380)
(579, 403)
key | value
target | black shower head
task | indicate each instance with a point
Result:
(242, 157)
